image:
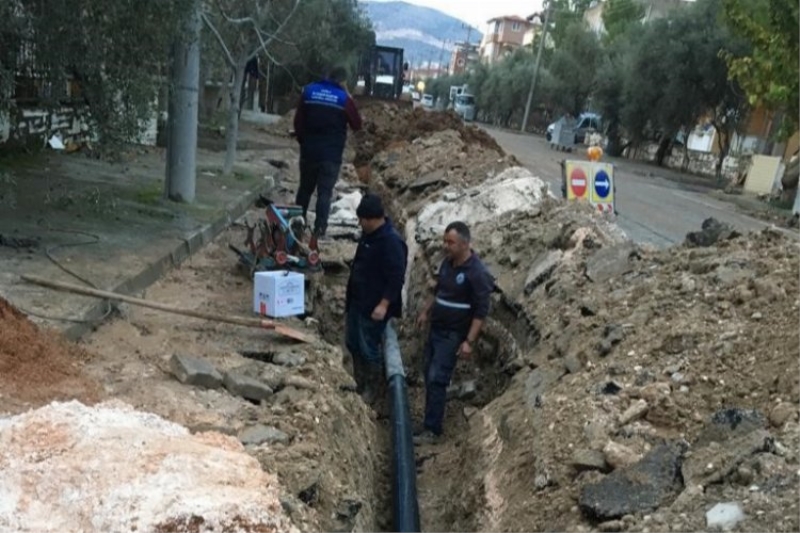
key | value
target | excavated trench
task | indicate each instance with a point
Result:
(445, 471)
(598, 355)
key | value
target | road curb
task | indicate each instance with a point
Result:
(172, 258)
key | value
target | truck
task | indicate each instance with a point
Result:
(464, 106)
(462, 102)
(382, 72)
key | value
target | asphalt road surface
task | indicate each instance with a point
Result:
(651, 209)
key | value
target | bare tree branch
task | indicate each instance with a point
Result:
(265, 44)
(228, 55)
(285, 68)
(228, 18)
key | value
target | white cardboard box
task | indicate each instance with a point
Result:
(279, 293)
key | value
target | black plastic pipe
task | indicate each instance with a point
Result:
(405, 504)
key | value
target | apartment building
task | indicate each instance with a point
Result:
(503, 35)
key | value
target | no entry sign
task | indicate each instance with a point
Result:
(577, 182)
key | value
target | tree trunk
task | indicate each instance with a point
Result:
(232, 131)
(181, 172)
(663, 146)
(614, 145)
(724, 145)
(685, 162)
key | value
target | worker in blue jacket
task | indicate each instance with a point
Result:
(320, 125)
(374, 293)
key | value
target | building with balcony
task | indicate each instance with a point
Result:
(503, 36)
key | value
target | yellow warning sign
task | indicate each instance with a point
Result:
(577, 174)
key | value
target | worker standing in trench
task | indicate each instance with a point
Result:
(456, 313)
(320, 125)
(374, 293)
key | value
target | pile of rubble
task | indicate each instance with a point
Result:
(111, 468)
(649, 386)
(619, 387)
(616, 387)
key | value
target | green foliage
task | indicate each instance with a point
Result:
(563, 15)
(661, 79)
(620, 15)
(573, 67)
(768, 74)
(114, 50)
(11, 25)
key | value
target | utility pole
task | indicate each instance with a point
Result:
(536, 66)
(467, 48)
(467, 27)
(181, 173)
(441, 58)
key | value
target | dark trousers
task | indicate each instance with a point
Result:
(364, 339)
(322, 176)
(441, 355)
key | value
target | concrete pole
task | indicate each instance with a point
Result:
(181, 171)
(536, 69)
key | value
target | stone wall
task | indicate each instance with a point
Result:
(36, 125)
(26, 125)
(700, 163)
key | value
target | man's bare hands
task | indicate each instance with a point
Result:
(465, 350)
(379, 313)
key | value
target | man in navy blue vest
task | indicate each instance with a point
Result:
(456, 314)
(320, 123)
(373, 293)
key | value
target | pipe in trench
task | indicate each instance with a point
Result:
(405, 504)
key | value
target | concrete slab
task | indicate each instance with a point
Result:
(195, 371)
(246, 387)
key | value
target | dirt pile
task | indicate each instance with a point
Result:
(37, 366)
(408, 154)
(388, 124)
(168, 480)
(614, 369)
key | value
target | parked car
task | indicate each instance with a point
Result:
(427, 100)
(586, 122)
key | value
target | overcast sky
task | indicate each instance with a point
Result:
(477, 12)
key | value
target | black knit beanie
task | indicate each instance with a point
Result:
(370, 207)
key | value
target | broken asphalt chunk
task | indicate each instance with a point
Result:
(638, 488)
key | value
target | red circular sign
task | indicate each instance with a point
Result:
(577, 182)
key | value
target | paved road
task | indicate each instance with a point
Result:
(651, 209)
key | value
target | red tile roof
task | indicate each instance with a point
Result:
(514, 18)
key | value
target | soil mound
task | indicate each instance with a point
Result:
(37, 366)
(387, 123)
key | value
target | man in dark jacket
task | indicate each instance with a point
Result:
(456, 314)
(373, 293)
(320, 124)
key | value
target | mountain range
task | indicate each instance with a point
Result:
(425, 34)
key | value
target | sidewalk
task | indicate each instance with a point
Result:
(71, 218)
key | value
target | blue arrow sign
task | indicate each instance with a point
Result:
(602, 184)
